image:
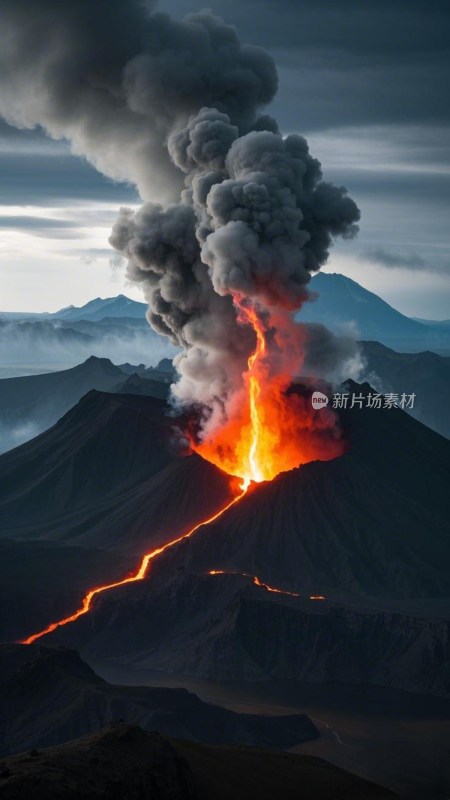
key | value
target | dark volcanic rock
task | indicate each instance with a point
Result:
(35, 402)
(426, 374)
(222, 627)
(104, 445)
(125, 763)
(118, 763)
(49, 695)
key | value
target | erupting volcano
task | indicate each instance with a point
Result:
(257, 456)
(247, 219)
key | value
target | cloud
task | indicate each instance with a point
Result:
(43, 180)
(406, 260)
(348, 62)
(42, 226)
(158, 71)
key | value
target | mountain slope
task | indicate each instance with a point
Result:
(30, 404)
(124, 761)
(426, 374)
(49, 696)
(341, 301)
(137, 384)
(106, 484)
(372, 523)
(60, 468)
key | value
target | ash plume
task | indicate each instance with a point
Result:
(175, 107)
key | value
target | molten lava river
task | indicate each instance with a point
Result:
(272, 432)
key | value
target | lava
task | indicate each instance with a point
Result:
(137, 576)
(258, 582)
(254, 579)
(271, 430)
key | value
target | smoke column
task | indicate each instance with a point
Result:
(244, 218)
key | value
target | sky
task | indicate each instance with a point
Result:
(365, 82)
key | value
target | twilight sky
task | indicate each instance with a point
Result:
(365, 82)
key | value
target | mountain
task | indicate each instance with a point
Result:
(42, 345)
(98, 309)
(434, 323)
(425, 374)
(49, 696)
(123, 761)
(137, 384)
(83, 500)
(367, 531)
(95, 310)
(342, 301)
(29, 405)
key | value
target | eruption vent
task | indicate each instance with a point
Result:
(175, 108)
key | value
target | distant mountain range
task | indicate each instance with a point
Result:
(341, 301)
(95, 310)
(30, 346)
(112, 307)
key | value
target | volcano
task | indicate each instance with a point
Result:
(356, 531)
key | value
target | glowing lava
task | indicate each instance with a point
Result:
(270, 430)
(258, 435)
(137, 576)
(258, 582)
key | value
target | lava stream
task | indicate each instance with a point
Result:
(138, 576)
(258, 582)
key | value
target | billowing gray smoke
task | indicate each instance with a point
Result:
(175, 106)
(115, 76)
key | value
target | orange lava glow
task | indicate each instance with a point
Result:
(254, 579)
(258, 582)
(137, 576)
(271, 431)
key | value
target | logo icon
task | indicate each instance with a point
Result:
(319, 400)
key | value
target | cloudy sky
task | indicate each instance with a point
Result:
(365, 82)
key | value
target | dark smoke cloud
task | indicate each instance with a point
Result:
(175, 107)
(114, 79)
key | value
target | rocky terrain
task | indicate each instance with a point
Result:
(80, 503)
(425, 374)
(50, 695)
(125, 762)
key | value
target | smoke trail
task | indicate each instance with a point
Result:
(175, 107)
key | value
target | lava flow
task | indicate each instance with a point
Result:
(137, 576)
(257, 582)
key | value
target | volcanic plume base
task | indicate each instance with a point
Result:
(272, 427)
